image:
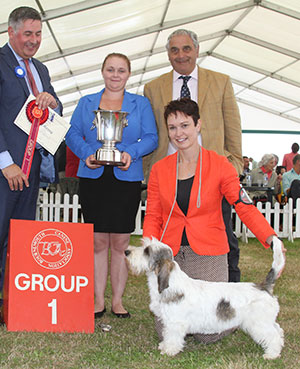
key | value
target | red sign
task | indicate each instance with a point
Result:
(49, 278)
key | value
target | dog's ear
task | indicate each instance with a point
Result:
(148, 251)
(163, 271)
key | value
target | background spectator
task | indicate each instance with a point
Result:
(68, 167)
(246, 168)
(280, 197)
(291, 180)
(265, 168)
(253, 163)
(288, 158)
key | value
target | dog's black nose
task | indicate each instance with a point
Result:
(127, 252)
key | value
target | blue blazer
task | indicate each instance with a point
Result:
(13, 94)
(139, 137)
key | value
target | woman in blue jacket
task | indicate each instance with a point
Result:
(110, 195)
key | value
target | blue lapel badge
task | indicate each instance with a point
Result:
(20, 72)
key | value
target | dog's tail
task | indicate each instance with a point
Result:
(277, 266)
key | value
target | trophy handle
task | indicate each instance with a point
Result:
(95, 121)
(94, 124)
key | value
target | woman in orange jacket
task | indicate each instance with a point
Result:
(185, 192)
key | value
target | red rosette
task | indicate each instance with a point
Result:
(33, 112)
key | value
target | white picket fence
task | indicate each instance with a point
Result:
(285, 221)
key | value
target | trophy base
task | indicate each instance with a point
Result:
(108, 157)
(107, 162)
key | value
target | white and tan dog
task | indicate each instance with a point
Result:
(188, 306)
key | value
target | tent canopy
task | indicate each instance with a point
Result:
(256, 42)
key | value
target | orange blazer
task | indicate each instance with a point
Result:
(204, 225)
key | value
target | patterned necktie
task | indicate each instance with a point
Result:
(34, 129)
(31, 80)
(185, 91)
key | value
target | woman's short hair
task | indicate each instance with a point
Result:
(265, 160)
(186, 106)
(118, 55)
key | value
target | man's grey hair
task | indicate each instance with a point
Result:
(265, 160)
(185, 32)
(20, 15)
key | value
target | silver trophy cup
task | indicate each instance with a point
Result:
(109, 124)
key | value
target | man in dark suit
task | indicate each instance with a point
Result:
(18, 194)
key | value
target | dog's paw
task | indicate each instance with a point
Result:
(170, 351)
(271, 356)
(161, 345)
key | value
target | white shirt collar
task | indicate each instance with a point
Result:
(17, 56)
(194, 74)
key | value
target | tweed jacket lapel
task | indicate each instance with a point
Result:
(203, 84)
(166, 88)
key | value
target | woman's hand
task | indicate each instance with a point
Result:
(90, 162)
(126, 159)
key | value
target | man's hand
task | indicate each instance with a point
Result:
(45, 100)
(15, 177)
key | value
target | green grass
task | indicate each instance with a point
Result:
(132, 343)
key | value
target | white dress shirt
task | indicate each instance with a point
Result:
(193, 87)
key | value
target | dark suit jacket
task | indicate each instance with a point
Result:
(13, 94)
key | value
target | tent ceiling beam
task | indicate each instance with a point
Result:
(279, 9)
(269, 110)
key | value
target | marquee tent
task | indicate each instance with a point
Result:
(256, 42)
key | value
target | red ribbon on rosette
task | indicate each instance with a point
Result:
(36, 117)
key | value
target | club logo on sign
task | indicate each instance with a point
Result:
(51, 249)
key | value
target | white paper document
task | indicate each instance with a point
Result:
(51, 133)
